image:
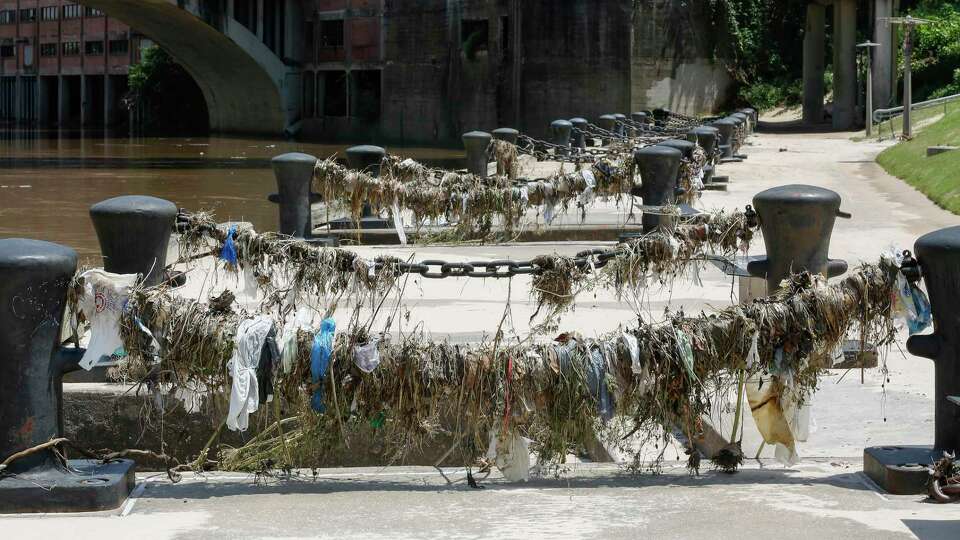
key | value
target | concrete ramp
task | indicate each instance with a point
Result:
(241, 79)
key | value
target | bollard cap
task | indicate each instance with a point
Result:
(703, 130)
(33, 256)
(135, 204)
(940, 241)
(364, 156)
(504, 131)
(795, 195)
(657, 152)
(639, 115)
(620, 116)
(294, 158)
(725, 123)
(559, 124)
(476, 136)
(685, 147)
(579, 122)
(608, 117)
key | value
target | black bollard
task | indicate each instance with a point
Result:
(134, 233)
(706, 137)
(639, 117)
(739, 123)
(368, 158)
(904, 470)
(607, 122)
(476, 144)
(797, 223)
(294, 174)
(560, 136)
(726, 127)
(34, 278)
(658, 166)
(509, 135)
(621, 125)
(744, 119)
(686, 149)
(579, 133)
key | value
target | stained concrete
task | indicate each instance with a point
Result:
(826, 499)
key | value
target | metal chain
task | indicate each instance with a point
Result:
(585, 261)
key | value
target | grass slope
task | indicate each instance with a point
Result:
(937, 177)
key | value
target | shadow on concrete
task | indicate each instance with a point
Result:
(796, 126)
(199, 489)
(934, 529)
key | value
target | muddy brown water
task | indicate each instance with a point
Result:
(49, 181)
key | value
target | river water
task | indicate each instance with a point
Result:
(48, 181)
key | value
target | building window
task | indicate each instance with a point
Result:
(48, 49)
(474, 36)
(49, 13)
(93, 12)
(8, 16)
(334, 93)
(331, 34)
(70, 48)
(119, 46)
(72, 11)
(365, 94)
(6, 51)
(28, 15)
(93, 47)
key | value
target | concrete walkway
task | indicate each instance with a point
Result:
(825, 497)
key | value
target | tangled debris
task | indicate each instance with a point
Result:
(944, 483)
(563, 395)
(469, 201)
(287, 268)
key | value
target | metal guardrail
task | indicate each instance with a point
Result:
(882, 115)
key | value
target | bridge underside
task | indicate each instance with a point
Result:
(241, 96)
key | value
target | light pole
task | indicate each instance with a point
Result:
(908, 23)
(869, 46)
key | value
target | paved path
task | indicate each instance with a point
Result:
(829, 499)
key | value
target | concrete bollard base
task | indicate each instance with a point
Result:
(937, 150)
(899, 470)
(85, 486)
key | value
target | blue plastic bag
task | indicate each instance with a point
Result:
(229, 251)
(320, 361)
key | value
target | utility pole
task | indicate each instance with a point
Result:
(908, 24)
(869, 46)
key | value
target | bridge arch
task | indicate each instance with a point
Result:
(243, 82)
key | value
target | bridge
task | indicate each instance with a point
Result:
(238, 52)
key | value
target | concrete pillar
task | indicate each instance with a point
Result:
(814, 52)
(884, 56)
(844, 63)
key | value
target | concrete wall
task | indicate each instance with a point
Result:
(576, 61)
(673, 43)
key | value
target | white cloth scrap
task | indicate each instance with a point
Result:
(244, 395)
(104, 297)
